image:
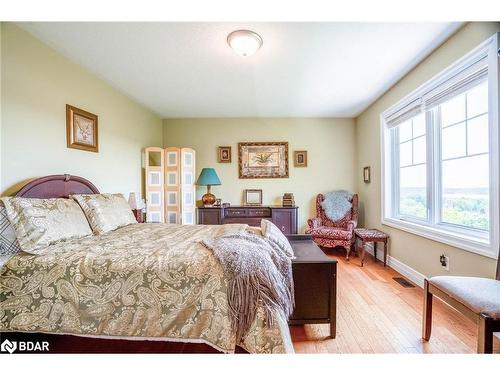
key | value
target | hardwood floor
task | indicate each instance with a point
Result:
(375, 314)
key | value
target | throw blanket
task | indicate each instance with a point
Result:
(337, 204)
(258, 272)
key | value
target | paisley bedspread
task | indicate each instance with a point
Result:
(142, 281)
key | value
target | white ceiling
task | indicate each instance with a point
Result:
(302, 70)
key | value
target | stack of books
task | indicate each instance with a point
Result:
(288, 200)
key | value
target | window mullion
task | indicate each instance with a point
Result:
(438, 167)
(430, 165)
(395, 168)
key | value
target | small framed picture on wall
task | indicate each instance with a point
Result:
(81, 129)
(366, 175)
(300, 159)
(224, 154)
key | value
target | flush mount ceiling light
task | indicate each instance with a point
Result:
(244, 42)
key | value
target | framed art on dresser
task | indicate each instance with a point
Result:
(252, 197)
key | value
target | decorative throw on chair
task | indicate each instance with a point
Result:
(337, 204)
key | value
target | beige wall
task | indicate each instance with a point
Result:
(37, 83)
(329, 142)
(1, 26)
(417, 252)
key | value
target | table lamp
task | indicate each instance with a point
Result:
(134, 201)
(208, 177)
(137, 206)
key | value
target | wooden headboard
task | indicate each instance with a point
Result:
(57, 186)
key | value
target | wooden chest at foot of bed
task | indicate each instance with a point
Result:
(315, 283)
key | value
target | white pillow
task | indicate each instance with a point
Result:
(105, 212)
(274, 234)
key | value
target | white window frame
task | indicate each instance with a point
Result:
(463, 239)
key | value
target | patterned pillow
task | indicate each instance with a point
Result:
(105, 212)
(274, 234)
(8, 239)
(39, 223)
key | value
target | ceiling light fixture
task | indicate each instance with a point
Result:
(244, 42)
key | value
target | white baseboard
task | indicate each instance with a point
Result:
(405, 270)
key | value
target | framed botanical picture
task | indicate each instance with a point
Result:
(366, 174)
(81, 129)
(300, 159)
(252, 197)
(263, 159)
(224, 154)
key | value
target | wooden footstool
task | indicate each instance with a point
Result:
(371, 235)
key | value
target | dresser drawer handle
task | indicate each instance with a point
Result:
(283, 228)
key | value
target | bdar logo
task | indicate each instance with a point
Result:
(8, 346)
(24, 346)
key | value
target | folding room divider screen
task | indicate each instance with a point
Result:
(170, 185)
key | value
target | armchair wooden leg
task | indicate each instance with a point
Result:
(484, 335)
(348, 250)
(427, 313)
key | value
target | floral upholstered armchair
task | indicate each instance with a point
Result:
(328, 233)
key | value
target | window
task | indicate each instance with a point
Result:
(464, 159)
(440, 156)
(411, 145)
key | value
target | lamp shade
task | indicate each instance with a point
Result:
(135, 202)
(208, 176)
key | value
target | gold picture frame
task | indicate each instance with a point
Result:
(300, 159)
(224, 154)
(263, 159)
(81, 129)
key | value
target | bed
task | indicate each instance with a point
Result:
(143, 283)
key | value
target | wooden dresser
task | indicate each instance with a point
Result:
(285, 218)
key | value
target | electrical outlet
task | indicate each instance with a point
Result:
(445, 261)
